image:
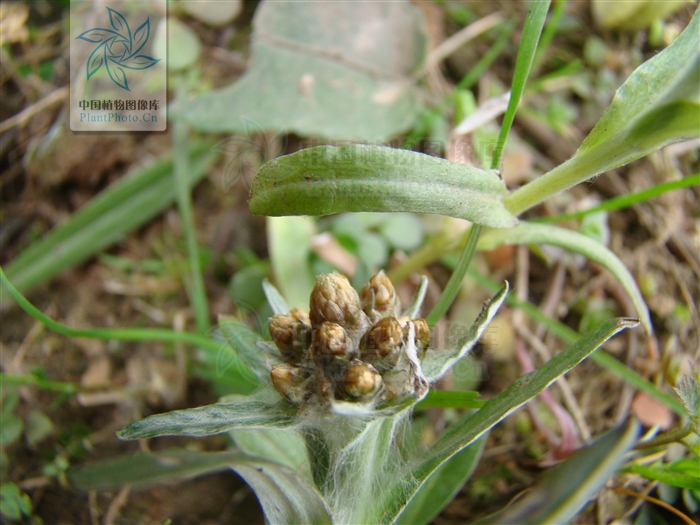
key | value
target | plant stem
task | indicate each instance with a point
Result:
(625, 201)
(26, 379)
(120, 334)
(455, 282)
(531, 35)
(184, 202)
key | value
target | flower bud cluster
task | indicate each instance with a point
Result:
(350, 347)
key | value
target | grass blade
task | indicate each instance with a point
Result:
(198, 297)
(532, 30)
(625, 201)
(126, 205)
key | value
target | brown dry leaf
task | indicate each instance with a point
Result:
(13, 18)
(98, 373)
(652, 412)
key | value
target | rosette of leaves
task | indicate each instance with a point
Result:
(118, 49)
(343, 378)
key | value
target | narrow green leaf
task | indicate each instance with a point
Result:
(442, 485)
(245, 413)
(436, 363)
(325, 180)
(530, 233)
(277, 302)
(532, 30)
(470, 427)
(285, 496)
(144, 470)
(279, 446)
(243, 352)
(212, 346)
(106, 219)
(601, 357)
(625, 201)
(657, 105)
(181, 171)
(667, 475)
(569, 486)
(289, 242)
(450, 399)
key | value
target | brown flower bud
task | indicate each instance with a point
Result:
(360, 381)
(330, 339)
(287, 380)
(379, 297)
(384, 337)
(422, 333)
(334, 299)
(291, 332)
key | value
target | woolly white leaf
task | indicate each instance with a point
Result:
(245, 413)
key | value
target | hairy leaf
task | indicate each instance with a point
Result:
(339, 70)
(567, 487)
(469, 427)
(443, 484)
(245, 413)
(657, 105)
(325, 180)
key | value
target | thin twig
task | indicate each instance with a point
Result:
(461, 37)
(23, 116)
(656, 501)
(117, 503)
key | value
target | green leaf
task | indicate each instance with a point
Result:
(183, 45)
(666, 474)
(126, 205)
(279, 446)
(322, 70)
(451, 399)
(325, 180)
(633, 14)
(289, 242)
(436, 363)
(243, 353)
(285, 496)
(470, 427)
(277, 302)
(530, 233)
(14, 503)
(657, 105)
(10, 428)
(145, 470)
(442, 486)
(404, 231)
(245, 413)
(569, 486)
(39, 427)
